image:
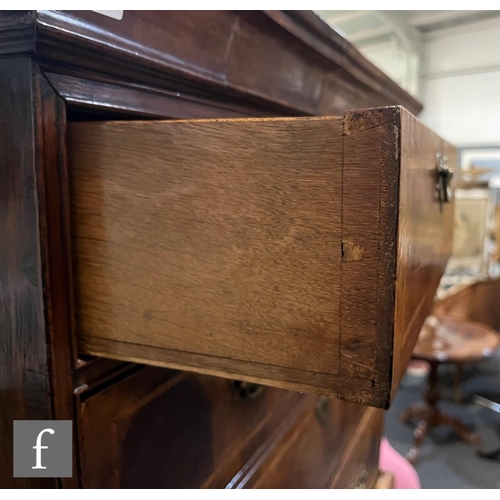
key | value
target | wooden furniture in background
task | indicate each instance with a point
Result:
(496, 231)
(473, 221)
(446, 340)
(474, 300)
(61, 67)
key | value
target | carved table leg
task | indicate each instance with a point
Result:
(492, 455)
(432, 394)
(457, 383)
(427, 413)
(429, 416)
(418, 438)
(460, 429)
(417, 411)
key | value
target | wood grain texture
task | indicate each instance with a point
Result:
(424, 236)
(104, 95)
(53, 199)
(265, 249)
(449, 340)
(357, 389)
(476, 301)
(17, 31)
(313, 31)
(307, 448)
(37, 353)
(164, 68)
(169, 429)
(24, 372)
(279, 439)
(243, 259)
(282, 61)
(369, 239)
(358, 466)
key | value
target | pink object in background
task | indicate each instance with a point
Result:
(405, 475)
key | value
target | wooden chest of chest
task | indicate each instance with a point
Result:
(273, 247)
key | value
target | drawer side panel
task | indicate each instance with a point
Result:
(215, 239)
(425, 236)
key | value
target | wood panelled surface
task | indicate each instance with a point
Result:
(154, 64)
(425, 235)
(309, 449)
(359, 464)
(201, 433)
(166, 429)
(240, 260)
(24, 363)
(371, 173)
(263, 249)
(289, 61)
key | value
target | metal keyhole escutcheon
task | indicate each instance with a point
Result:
(444, 174)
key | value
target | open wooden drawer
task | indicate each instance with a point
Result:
(298, 252)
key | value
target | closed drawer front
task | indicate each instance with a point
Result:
(309, 448)
(167, 429)
(260, 249)
(358, 467)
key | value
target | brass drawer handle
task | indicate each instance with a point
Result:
(360, 482)
(322, 408)
(247, 390)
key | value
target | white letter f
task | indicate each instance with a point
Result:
(38, 447)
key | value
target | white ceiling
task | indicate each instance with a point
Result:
(368, 26)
